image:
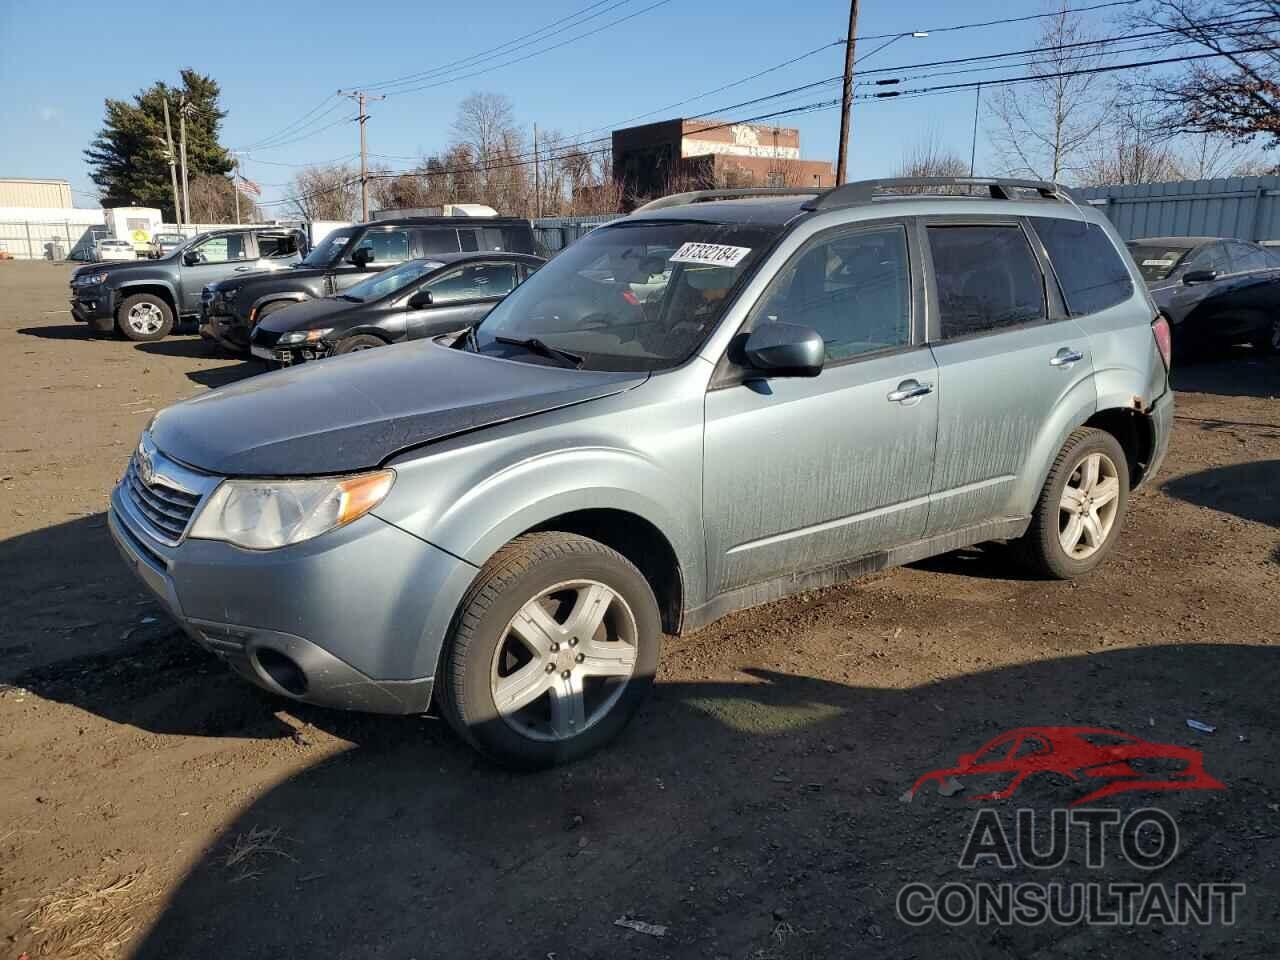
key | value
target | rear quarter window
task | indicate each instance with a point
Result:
(1091, 273)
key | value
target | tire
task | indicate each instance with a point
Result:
(1042, 549)
(559, 574)
(361, 341)
(269, 308)
(1269, 342)
(144, 318)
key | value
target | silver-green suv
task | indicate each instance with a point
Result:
(712, 403)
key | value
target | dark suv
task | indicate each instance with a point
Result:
(144, 299)
(345, 257)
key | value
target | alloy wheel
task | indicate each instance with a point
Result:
(1087, 510)
(564, 660)
(145, 318)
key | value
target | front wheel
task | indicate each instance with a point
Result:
(363, 341)
(554, 648)
(1269, 342)
(144, 318)
(1081, 508)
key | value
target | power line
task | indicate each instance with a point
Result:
(1006, 20)
(529, 56)
(515, 42)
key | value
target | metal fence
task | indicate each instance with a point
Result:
(1247, 208)
(556, 233)
(49, 239)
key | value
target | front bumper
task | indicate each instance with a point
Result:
(219, 323)
(95, 306)
(354, 619)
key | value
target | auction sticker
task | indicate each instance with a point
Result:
(711, 254)
(1158, 263)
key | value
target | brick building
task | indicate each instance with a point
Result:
(686, 154)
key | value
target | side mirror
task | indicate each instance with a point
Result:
(419, 300)
(362, 257)
(191, 258)
(785, 350)
(1199, 276)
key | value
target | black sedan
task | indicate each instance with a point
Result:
(1214, 290)
(417, 299)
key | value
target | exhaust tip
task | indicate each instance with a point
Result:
(282, 670)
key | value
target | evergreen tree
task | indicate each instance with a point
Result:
(128, 158)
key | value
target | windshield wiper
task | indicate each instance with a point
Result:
(534, 345)
(347, 296)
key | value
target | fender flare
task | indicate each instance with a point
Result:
(125, 288)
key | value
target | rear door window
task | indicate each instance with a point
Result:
(1090, 272)
(439, 240)
(988, 279)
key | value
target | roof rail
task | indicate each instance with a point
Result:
(864, 191)
(704, 196)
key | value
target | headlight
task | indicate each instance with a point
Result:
(89, 279)
(304, 336)
(265, 514)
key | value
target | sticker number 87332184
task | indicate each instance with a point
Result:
(710, 254)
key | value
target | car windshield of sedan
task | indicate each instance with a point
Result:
(390, 281)
(635, 296)
(1156, 263)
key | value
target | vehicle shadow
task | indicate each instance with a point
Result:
(752, 817)
(984, 561)
(1250, 491)
(1229, 372)
(62, 331)
(198, 348)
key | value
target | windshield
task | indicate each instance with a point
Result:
(169, 238)
(1157, 262)
(327, 249)
(640, 295)
(391, 281)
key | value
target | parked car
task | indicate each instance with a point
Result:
(420, 298)
(109, 248)
(823, 386)
(1213, 290)
(144, 300)
(345, 257)
(163, 244)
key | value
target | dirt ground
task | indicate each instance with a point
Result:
(152, 805)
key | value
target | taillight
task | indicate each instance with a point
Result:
(1164, 339)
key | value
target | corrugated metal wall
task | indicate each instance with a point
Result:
(1247, 208)
(556, 233)
(23, 192)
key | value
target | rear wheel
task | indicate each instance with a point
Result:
(554, 648)
(1081, 508)
(363, 341)
(144, 317)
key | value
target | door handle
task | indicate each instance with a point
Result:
(1065, 357)
(909, 390)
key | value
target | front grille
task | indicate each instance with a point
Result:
(168, 509)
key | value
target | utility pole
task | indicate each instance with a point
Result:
(182, 151)
(973, 145)
(173, 162)
(846, 97)
(361, 97)
(537, 176)
(235, 184)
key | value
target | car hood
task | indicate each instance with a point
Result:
(354, 412)
(308, 315)
(116, 267)
(273, 275)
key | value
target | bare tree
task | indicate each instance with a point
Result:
(1237, 94)
(326, 193)
(213, 200)
(485, 126)
(1044, 126)
(927, 158)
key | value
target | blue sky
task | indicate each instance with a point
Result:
(278, 60)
